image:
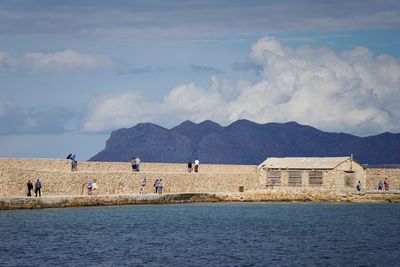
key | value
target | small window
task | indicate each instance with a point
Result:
(315, 178)
(294, 178)
(273, 178)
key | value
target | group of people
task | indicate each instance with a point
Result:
(135, 162)
(196, 165)
(38, 187)
(158, 186)
(384, 184)
(381, 185)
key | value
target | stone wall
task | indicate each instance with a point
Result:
(376, 174)
(118, 178)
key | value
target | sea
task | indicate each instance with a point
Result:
(214, 234)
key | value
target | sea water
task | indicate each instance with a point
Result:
(233, 234)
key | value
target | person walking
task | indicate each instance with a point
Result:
(30, 187)
(196, 165)
(38, 187)
(143, 188)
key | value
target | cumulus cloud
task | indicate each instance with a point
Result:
(66, 60)
(18, 120)
(351, 91)
(115, 111)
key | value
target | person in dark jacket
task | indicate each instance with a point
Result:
(38, 187)
(30, 187)
(190, 166)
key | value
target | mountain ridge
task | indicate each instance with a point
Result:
(244, 142)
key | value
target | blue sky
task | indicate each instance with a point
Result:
(73, 71)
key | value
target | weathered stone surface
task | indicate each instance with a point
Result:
(118, 184)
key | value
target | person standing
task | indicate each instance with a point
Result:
(190, 166)
(30, 187)
(143, 188)
(89, 187)
(74, 163)
(386, 184)
(137, 164)
(196, 165)
(156, 186)
(38, 187)
(160, 186)
(358, 186)
(95, 187)
(133, 163)
(380, 185)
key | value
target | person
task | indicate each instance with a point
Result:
(74, 163)
(133, 163)
(190, 166)
(380, 184)
(386, 184)
(30, 187)
(143, 188)
(156, 186)
(358, 186)
(94, 187)
(196, 165)
(89, 187)
(160, 186)
(38, 187)
(137, 164)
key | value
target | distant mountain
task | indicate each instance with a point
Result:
(244, 142)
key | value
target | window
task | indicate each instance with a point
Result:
(294, 178)
(273, 178)
(349, 180)
(315, 178)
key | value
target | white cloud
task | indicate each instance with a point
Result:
(67, 60)
(351, 91)
(115, 111)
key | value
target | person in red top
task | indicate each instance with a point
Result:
(386, 184)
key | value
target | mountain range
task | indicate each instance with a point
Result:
(244, 142)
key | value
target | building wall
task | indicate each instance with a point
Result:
(331, 179)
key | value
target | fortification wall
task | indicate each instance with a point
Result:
(118, 178)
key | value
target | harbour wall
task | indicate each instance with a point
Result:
(119, 179)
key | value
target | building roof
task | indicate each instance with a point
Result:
(303, 163)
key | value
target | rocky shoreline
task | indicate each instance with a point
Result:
(11, 203)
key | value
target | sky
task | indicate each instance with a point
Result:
(71, 72)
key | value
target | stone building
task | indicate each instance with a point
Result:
(329, 173)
